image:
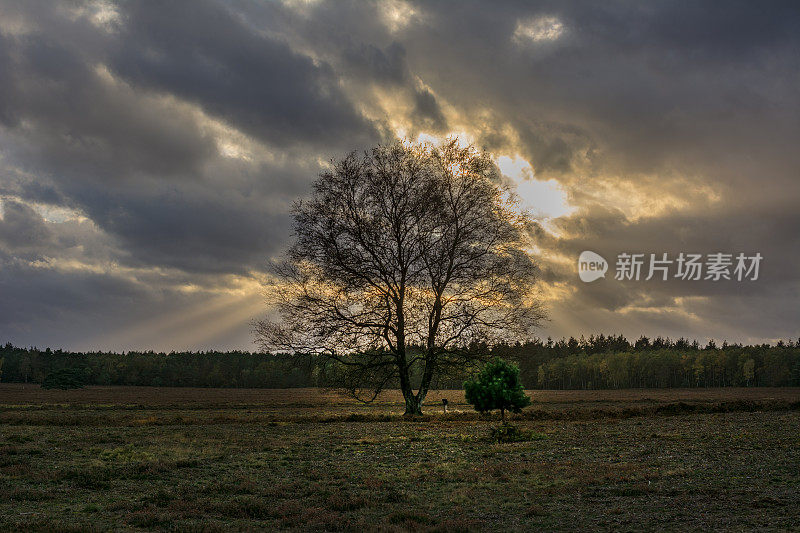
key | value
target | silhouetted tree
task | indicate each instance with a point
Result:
(405, 246)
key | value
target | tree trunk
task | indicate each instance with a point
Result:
(413, 404)
(425, 385)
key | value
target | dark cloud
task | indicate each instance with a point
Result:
(639, 82)
(22, 229)
(149, 153)
(34, 295)
(192, 229)
(427, 113)
(70, 118)
(143, 165)
(260, 85)
(762, 308)
(88, 310)
(382, 65)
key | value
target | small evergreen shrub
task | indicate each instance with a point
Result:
(497, 387)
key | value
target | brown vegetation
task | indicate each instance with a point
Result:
(209, 459)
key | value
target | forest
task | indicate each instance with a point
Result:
(597, 362)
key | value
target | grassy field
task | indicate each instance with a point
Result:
(212, 459)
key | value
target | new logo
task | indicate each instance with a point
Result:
(591, 266)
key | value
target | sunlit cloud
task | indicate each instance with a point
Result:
(542, 198)
(301, 6)
(636, 195)
(57, 213)
(105, 15)
(397, 14)
(539, 29)
(14, 23)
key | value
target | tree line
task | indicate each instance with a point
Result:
(159, 369)
(599, 362)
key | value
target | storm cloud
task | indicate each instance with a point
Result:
(150, 152)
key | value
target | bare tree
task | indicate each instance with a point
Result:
(406, 258)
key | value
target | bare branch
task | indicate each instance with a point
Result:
(406, 245)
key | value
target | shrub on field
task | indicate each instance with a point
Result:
(512, 433)
(497, 387)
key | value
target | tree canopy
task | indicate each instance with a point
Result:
(406, 257)
(497, 387)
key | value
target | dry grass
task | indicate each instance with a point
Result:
(202, 398)
(204, 459)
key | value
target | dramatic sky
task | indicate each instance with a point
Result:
(150, 152)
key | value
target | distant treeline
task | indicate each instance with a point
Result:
(159, 369)
(611, 362)
(599, 362)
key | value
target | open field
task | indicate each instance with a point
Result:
(212, 459)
